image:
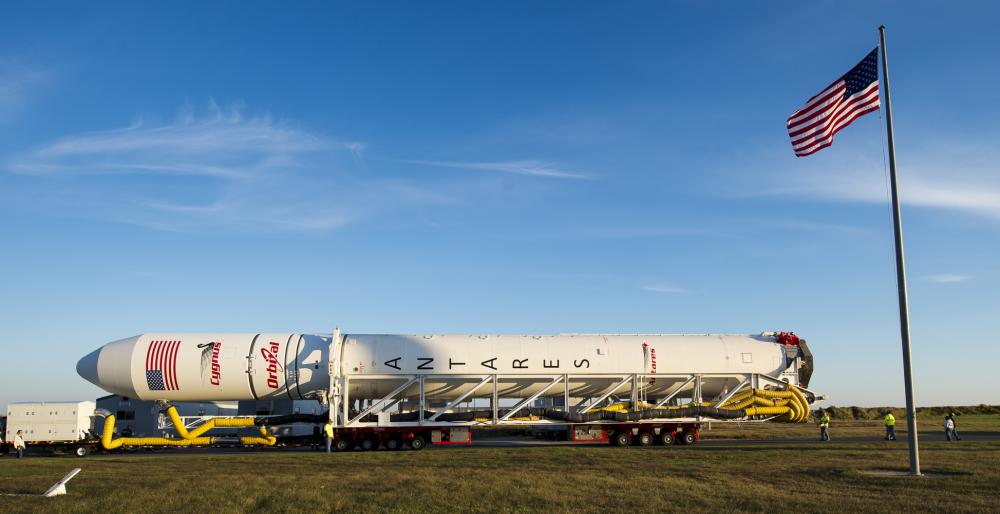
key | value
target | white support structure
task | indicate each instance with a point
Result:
(531, 398)
(378, 405)
(607, 392)
(677, 390)
(461, 398)
(413, 389)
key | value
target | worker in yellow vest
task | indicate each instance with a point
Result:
(890, 427)
(328, 435)
(824, 427)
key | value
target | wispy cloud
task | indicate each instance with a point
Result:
(956, 178)
(523, 167)
(221, 144)
(218, 170)
(18, 82)
(663, 289)
(946, 278)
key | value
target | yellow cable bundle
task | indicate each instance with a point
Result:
(206, 426)
(265, 438)
(766, 411)
(188, 438)
(739, 398)
(110, 444)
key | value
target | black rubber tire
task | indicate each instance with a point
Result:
(688, 438)
(644, 439)
(621, 439)
(417, 443)
(394, 444)
(666, 438)
(369, 444)
(341, 445)
(81, 451)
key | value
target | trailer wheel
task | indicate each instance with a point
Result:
(81, 451)
(621, 439)
(341, 445)
(644, 439)
(417, 443)
(666, 438)
(369, 444)
(394, 443)
(688, 438)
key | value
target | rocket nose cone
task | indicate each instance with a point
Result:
(110, 367)
(87, 367)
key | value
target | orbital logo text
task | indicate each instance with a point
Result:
(270, 354)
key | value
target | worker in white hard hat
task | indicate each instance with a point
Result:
(328, 435)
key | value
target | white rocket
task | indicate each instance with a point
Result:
(225, 367)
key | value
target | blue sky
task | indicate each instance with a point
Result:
(516, 168)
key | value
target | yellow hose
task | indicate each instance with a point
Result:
(803, 402)
(110, 444)
(188, 438)
(265, 439)
(766, 411)
(206, 426)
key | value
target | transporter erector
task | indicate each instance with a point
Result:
(396, 390)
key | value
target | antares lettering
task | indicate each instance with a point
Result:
(426, 363)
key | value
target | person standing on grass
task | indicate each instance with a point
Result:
(824, 427)
(949, 428)
(19, 443)
(890, 426)
(328, 434)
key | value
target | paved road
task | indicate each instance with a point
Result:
(528, 442)
(512, 442)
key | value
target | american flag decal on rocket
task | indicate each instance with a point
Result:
(161, 365)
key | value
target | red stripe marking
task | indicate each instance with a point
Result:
(844, 122)
(841, 111)
(149, 351)
(173, 363)
(829, 141)
(812, 105)
(170, 362)
(820, 119)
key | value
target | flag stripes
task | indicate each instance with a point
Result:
(161, 365)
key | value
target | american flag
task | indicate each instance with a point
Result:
(161, 365)
(847, 99)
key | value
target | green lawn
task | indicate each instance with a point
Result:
(931, 428)
(760, 478)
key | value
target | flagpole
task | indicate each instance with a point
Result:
(904, 311)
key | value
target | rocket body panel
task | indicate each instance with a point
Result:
(233, 366)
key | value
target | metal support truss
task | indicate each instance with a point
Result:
(389, 397)
(727, 395)
(461, 398)
(531, 398)
(671, 396)
(583, 389)
(607, 392)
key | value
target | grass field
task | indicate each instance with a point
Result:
(931, 428)
(774, 477)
